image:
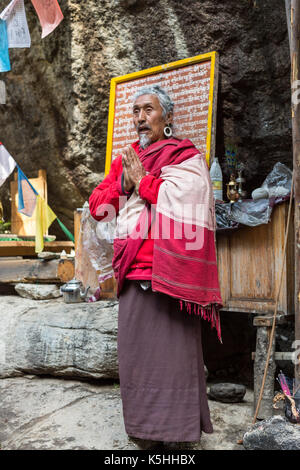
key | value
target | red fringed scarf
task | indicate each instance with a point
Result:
(183, 227)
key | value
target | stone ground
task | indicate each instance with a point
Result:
(51, 413)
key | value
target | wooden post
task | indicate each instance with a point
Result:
(295, 82)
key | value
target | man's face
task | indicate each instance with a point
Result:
(148, 119)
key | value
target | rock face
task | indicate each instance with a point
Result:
(58, 91)
(275, 433)
(227, 393)
(38, 291)
(54, 338)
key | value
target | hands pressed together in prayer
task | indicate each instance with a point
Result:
(133, 169)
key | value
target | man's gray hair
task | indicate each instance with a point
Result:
(163, 97)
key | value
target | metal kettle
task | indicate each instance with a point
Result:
(72, 292)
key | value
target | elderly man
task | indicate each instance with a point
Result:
(165, 265)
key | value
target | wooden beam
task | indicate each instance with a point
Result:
(295, 82)
(27, 248)
(267, 320)
(55, 271)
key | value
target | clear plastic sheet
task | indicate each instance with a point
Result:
(94, 252)
(279, 181)
(251, 213)
(223, 217)
(256, 212)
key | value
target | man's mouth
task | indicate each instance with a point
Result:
(143, 129)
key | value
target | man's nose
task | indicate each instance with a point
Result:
(142, 116)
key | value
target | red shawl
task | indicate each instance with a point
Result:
(182, 225)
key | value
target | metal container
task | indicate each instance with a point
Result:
(72, 292)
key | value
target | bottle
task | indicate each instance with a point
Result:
(216, 179)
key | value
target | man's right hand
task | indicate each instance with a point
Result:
(133, 169)
(128, 183)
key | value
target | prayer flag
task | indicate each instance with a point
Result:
(2, 92)
(49, 14)
(26, 195)
(7, 164)
(5, 14)
(65, 230)
(4, 55)
(44, 218)
(16, 24)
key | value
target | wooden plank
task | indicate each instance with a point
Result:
(36, 270)
(249, 266)
(77, 219)
(267, 320)
(27, 248)
(295, 77)
(66, 269)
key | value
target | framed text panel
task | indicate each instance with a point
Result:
(192, 85)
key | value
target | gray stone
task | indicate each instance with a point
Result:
(52, 413)
(38, 291)
(275, 433)
(54, 338)
(47, 255)
(227, 392)
(262, 345)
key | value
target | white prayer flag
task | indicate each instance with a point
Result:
(2, 92)
(5, 14)
(7, 164)
(16, 23)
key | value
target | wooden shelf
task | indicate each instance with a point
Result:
(27, 248)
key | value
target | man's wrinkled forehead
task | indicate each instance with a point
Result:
(146, 100)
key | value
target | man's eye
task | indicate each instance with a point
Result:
(149, 110)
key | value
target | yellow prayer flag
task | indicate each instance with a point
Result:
(44, 218)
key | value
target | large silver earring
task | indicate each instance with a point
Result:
(168, 131)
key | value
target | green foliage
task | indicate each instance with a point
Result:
(4, 226)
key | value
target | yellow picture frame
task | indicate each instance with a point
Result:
(212, 106)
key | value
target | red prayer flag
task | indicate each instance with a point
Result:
(49, 14)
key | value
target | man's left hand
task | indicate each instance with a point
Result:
(132, 165)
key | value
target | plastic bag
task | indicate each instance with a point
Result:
(251, 213)
(279, 181)
(223, 217)
(93, 262)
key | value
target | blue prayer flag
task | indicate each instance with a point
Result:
(26, 195)
(4, 55)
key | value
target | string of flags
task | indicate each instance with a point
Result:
(30, 203)
(14, 30)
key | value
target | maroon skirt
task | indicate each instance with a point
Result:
(161, 368)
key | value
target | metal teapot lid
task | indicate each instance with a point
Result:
(71, 285)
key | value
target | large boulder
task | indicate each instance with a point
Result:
(275, 433)
(54, 338)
